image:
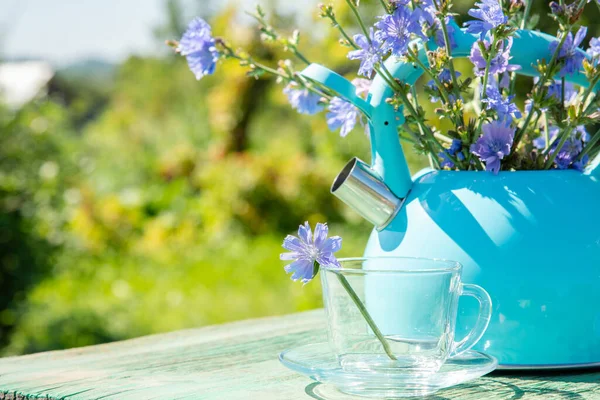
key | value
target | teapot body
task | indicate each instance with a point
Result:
(530, 238)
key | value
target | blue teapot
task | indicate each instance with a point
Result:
(530, 238)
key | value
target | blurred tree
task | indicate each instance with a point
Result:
(35, 173)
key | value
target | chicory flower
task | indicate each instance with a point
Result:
(308, 251)
(540, 142)
(362, 86)
(494, 144)
(369, 54)
(342, 114)
(303, 100)
(505, 107)
(198, 46)
(490, 15)
(454, 150)
(568, 155)
(395, 30)
(570, 52)
(555, 90)
(578, 134)
(445, 77)
(498, 64)
(431, 20)
(594, 49)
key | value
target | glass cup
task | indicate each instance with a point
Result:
(395, 314)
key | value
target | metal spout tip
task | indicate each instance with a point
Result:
(361, 188)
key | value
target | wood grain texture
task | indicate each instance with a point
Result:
(228, 362)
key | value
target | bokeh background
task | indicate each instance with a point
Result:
(134, 199)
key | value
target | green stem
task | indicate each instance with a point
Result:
(513, 78)
(359, 19)
(546, 133)
(486, 74)
(588, 92)
(366, 315)
(553, 156)
(562, 98)
(339, 27)
(538, 85)
(451, 64)
(409, 139)
(300, 56)
(387, 77)
(416, 140)
(521, 131)
(426, 130)
(433, 76)
(457, 118)
(385, 6)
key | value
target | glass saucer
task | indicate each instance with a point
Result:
(318, 362)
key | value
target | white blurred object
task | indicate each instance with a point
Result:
(20, 82)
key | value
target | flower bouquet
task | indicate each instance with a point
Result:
(488, 130)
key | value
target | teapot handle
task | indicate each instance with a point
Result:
(388, 159)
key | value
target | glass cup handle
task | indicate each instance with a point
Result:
(483, 319)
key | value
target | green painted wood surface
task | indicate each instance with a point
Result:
(229, 362)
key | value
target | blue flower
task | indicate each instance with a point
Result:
(540, 142)
(498, 64)
(580, 164)
(454, 150)
(370, 53)
(342, 115)
(198, 46)
(555, 91)
(505, 108)
(431, 20)
(581, 133)
(445, 76)
(556, 8)
(569, 53)
(395, 29)
(569, 153)
(308, 252)
(362, 86)
(490, 16)
(493, 145)
(594, 50)
(303, 100)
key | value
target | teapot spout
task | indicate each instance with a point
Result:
(360, 187)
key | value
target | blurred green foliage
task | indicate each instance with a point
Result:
(160, 202)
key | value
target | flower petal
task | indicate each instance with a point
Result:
(328, 260)
(579, 36)
(292, 243)
(321, 231)
(332, 245)
(303, 269)
(289, 256)
(305, 233)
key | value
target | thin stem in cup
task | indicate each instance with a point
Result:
(365, 313)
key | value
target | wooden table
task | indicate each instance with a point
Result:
(229, 362)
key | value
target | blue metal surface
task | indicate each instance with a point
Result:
(530, 238)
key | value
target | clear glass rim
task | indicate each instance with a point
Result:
(444, 265)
